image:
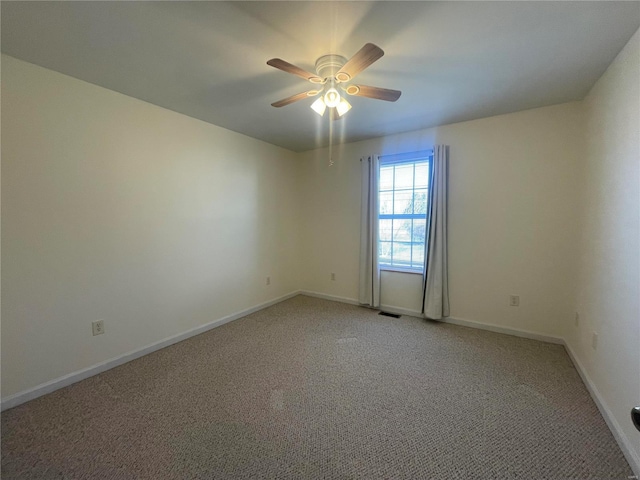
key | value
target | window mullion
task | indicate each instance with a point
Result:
(413, 210)
(393, 211)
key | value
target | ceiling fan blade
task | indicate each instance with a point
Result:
(295, 98)
(361, 60)
(289, 68)
(374, 92)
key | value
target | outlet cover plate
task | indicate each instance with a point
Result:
(97, 327)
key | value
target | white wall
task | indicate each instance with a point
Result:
(608, 286)
(116, 209)
(512, 225)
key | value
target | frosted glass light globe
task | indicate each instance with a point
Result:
(332, 98)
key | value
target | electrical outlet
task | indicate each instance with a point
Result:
(514, 300)
(594, 340)
(268, 280)
(577, 319)
(97, 327)
(333, 276)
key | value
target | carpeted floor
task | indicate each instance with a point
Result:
(315, 389)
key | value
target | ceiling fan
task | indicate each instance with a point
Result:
(335, 72)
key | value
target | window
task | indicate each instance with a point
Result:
(403, 190)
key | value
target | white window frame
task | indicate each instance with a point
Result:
(399, 159)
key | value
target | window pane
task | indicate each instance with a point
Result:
(401, 239)
(422, 175)
(384, 252)
(401, 254)
(385, 229)
(404, 176)
(386, 178)
(420, 201)
(402, 230)
(386, 203)
(403, 201)
(418, 255)
(419, 227)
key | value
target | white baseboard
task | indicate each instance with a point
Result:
(456, 321)
(623, 441)
(66, 380)
(353, 301)
(333, 298)
(506, 330)
(401, 311)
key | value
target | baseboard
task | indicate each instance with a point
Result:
(400, 311)
(506, 330)
(333, 298)
(453, 320)
(353, 301)
(623, 441)
(66, 380)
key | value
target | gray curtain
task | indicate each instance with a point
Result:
(369, 292)
(435, 300)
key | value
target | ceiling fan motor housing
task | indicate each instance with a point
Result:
(328, 65)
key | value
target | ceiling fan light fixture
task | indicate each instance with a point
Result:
(343, 107)
(319, 106)
(332, 98)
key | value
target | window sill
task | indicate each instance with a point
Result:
(400, 270)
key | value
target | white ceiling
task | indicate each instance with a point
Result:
(453, 61)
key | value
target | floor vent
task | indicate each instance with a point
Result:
(387, 314)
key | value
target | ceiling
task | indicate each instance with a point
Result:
(453, 61)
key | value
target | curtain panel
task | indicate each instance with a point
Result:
(435, 300)
(369, 291)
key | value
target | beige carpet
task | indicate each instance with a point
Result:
(315, 389)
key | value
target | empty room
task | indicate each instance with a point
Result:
(324, 240)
